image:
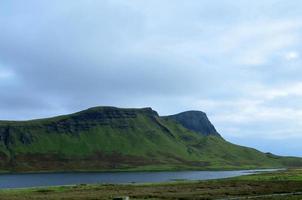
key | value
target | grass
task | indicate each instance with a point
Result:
(287, 175)
(262, 186)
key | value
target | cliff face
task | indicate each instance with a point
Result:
(71, 124)
(195, 121)
(109, 138)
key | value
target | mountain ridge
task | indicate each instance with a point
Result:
(196, 121)
(111, 138)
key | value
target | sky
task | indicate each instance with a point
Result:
(238, 61)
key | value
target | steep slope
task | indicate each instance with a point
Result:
(195, 121)
(108, 138)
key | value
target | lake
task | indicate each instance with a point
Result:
(72, 178)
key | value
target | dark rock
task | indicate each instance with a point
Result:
(196, 121)
(121, 198)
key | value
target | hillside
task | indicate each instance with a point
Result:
(108, 138)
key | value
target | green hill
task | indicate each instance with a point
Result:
(108, 138)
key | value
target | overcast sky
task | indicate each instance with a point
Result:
(239, 61)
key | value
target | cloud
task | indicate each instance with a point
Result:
(292, 55)
(257, 46)
(268, 113)
(6, 74)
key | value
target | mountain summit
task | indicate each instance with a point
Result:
(109, 138)
(195, 121)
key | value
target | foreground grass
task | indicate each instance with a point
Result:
(260, 186)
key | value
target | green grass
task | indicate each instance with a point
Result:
(287, 175)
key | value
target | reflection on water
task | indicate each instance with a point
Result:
(53, 179)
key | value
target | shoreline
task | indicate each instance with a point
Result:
(281, 182)
(136, 178)
(137, 170)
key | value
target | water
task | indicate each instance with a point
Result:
(72, 178)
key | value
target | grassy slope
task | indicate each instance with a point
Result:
(89, 141)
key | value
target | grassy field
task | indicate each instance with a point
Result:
(268, 186)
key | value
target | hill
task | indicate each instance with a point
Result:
(196, 121)
(109, 138)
